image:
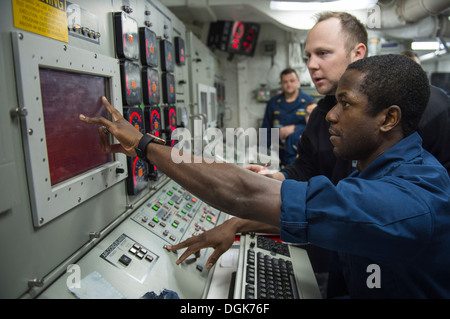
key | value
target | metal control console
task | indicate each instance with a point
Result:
(174, 213)
(133, 259)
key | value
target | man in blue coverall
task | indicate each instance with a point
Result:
(286, 111)
(392, 212)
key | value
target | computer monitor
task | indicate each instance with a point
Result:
(72, 147)
(55, 83)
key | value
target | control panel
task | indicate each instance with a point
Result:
(132, 259)
(174, 213)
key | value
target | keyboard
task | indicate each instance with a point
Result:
(269, 269)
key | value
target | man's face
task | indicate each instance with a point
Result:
(327, 55)
(290, 83)
(354, 133)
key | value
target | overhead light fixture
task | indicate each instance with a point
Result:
(338, 5)
(425, 45)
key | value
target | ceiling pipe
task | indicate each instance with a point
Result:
(415, 10)
(407, 19)
(404, 12)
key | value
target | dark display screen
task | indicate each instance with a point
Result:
(170, 117)
(72, 146)
(150, 86)
(243, 38)
(149, 47)
(127, 38)
(180, 51)
(234, 37)
(153, 120)
(167, 59)
(168, 86)
(131, 83)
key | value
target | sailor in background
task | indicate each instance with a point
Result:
(286, 111)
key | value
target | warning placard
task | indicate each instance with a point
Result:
(44, 17)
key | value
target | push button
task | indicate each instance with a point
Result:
(125, 260)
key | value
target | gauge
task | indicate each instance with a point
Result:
(153, 173)
(150, 90)
(137, 180)
(170, 117)
(168, 82)
(167, 63)
(153, 120)
(126, 32)
(131, 83)
(180, 54)
(134, 115)
(149, 47)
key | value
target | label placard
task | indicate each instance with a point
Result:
(44, 17)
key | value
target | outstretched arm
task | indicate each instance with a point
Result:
(227, 187)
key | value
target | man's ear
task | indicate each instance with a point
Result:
(391, 118)
(358, 52)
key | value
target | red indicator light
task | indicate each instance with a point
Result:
(172, 115)
(126, 80)
(134, 170)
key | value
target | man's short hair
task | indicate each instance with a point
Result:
(410, 54)
(288, 71)
(353, 28)
(394, 79)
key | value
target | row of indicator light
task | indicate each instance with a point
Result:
(85, 31)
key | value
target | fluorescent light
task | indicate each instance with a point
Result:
(426, 45)
(431, 55)
(338, 5)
